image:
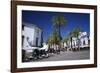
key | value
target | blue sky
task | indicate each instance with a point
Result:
(43, 19)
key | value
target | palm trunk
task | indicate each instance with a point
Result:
(59, 32)
(78, 43)
(55, 31)
(71, 42)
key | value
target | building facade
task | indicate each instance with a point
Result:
(31, 36)
(81, 41)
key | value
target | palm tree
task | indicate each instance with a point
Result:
(52, 38)
(58, 21)
(70, 37)
(76, 31)
(65, 42)
(76, 34)
(65, 39)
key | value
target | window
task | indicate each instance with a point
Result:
(23, 39)
(22, 27)
(36, 41)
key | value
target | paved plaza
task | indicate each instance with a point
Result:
(67, 55)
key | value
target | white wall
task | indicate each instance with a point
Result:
(5, 37)
(28, 32)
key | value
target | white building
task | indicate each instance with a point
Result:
(31, 36)
(82, 41)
